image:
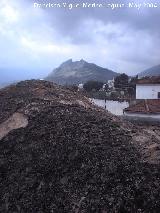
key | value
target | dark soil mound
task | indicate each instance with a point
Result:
(73, 159)
(27, 93)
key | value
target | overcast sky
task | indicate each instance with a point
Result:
(36, 40)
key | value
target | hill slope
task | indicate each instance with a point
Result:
(79, 72)
(153, 71)
(68, 156)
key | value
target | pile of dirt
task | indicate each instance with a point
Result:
(33, 92)
(70, 157)
(147, 140)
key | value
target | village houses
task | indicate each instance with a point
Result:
(147, 103)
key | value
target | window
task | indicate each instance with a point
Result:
(158, 95)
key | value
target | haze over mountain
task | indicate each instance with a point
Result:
(153, 71)
(11, 75)
(81, 71)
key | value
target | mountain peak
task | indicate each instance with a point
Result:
(82, 60)
(153, 71)
(75, 72)
(68, 62)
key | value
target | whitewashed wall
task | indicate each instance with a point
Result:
(144, 91)
(114, 107)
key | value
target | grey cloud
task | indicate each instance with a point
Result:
(67, 21)
(121, 39)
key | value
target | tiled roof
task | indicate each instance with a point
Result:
(149, 80)
(145, 107)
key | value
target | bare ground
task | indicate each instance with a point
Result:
(147, 140)
(16, 121)
(72, 156)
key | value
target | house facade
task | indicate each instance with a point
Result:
(148, 88)
(147, 103)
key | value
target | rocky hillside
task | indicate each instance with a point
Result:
(79, 72)
(61, 154)
(153, 71)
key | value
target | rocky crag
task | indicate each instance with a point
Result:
(76, 72)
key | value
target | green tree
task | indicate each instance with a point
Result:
(121, 81)
(132, 86)
(93, 85)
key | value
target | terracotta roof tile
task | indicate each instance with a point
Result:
(149, 80)
(145, 106)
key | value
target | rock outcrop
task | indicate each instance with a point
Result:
(76, 72)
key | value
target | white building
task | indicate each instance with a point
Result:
(111, 83)
(148, 88)
(80, 86)
(147, 106)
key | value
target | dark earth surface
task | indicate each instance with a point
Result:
(70, 158)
